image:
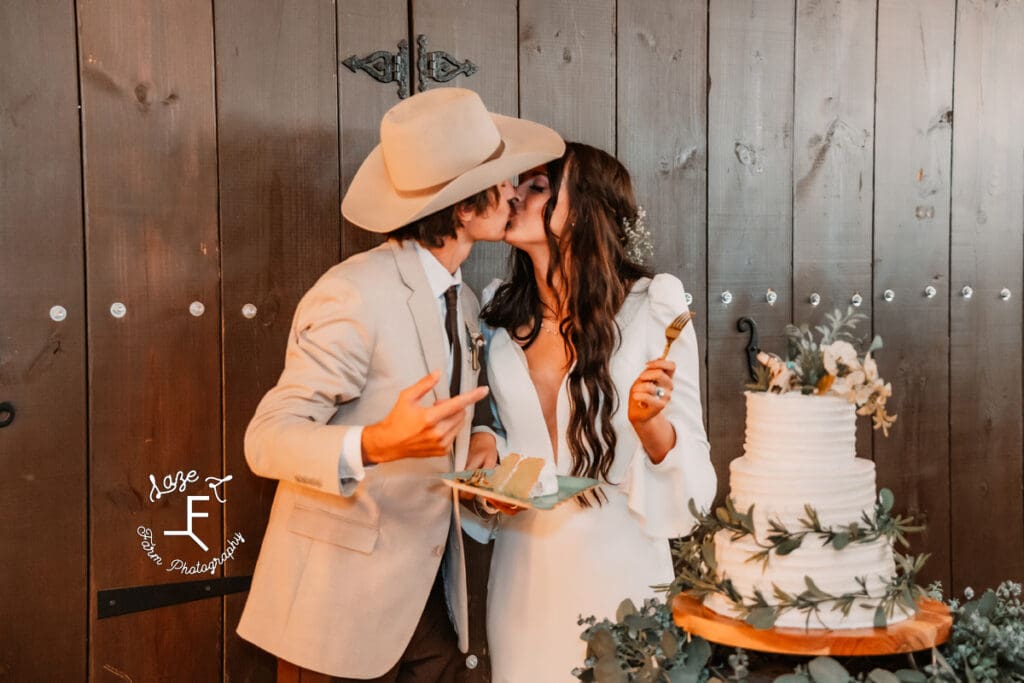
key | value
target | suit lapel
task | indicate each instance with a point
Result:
(424, 312)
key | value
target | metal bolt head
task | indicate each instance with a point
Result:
(472, 662)
(689, 298)
(249, 311)
(197, 308)
(967, 292)
(888, 295)
(771, 296)
(1005, 294)
(930, 292)
(58, 314)
(856, 299)
(727, 297)
(118, 309)
(814, 299)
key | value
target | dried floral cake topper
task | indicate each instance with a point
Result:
(832, 365)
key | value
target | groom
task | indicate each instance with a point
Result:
(361, 574)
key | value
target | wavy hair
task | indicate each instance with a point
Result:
(591, 259)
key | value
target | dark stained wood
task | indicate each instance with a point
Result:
(833, 133)
(911, 252)
(662, 134)
(567, 68)
(364, 26)
(149, 140)
(280, 230)
(985, 331)
(484, 32)
(750, 172)
(43, 452)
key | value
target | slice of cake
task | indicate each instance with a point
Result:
(521, 477)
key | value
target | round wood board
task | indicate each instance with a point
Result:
(930, 626)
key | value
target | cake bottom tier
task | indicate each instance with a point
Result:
(835, 572)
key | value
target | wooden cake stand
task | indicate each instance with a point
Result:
(929, 627)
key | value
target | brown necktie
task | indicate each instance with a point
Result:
(451, 326)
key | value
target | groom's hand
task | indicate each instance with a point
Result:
(411, 430)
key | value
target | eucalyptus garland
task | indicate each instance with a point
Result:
(696, 569)
(781, 541)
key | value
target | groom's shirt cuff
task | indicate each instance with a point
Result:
(350, 465)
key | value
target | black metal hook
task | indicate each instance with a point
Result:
(6, 413)
(746, 324)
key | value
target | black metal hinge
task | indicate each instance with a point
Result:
(385, 67)
(118, 601)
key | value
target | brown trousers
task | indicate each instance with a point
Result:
(432, 655)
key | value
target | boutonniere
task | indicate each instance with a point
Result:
(477, 344)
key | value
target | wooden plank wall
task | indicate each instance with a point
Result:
(830, 147)
(150, 167)
(985, 330)
(278, 170)
(43, 546)
(750, 200)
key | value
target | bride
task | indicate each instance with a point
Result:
(573, 334)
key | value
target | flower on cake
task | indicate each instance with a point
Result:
(830, 365)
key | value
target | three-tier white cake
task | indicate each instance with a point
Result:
(801, 451)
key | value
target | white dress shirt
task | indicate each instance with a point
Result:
(351, 469)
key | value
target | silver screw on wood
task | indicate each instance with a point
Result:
(727, 297)
(967, 292)
(888, 295)
(814, 299)
(118, 309)
(58, 314)
(1004, 294)
(197, 308)
(249, 311)
(771, 296)
(930, 292)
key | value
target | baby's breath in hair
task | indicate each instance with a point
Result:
(638, 238)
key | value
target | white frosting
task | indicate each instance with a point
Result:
(800, 450)
(547, 482)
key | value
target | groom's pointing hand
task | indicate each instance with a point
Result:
(411, 430)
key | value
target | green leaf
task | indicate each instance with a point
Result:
(707, 550)
(911, 676)
(827, 670)
(813, 589)
(882, 676)
(789, 545)
(698, 652)
(886, 498)
(609, 670)
(840, 540)
(762, 618)
(880, 620)
(669, 644)
(602, 644)
(987, 603)
(626, 608)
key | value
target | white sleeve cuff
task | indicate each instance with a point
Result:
(350, 465)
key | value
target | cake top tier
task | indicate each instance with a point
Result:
(794, 429)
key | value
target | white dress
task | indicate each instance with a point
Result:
(549, 568)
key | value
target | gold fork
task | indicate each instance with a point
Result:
(674, 329)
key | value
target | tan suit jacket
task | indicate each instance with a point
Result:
(341, 581)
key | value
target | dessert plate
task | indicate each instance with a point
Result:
(568, 487)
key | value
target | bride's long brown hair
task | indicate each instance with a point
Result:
(590, 258)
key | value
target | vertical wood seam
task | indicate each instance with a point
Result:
(949, 307)
(85, 349)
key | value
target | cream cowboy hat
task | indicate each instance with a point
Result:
(436, 148)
